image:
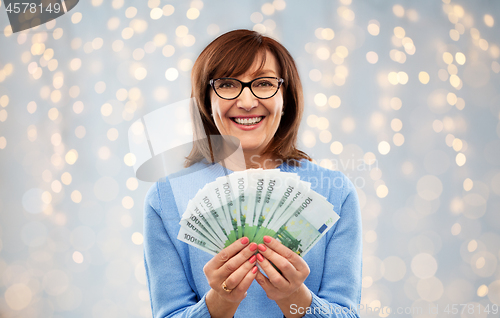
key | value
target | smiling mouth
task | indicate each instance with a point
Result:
(247, 121)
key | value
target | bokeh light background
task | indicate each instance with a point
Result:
(403, 97)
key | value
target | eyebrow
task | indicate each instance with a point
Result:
(264, 72)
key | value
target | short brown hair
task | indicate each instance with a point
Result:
(232, 54)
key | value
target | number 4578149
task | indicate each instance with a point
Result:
(17, 7)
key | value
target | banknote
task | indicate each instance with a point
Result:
(255, 203)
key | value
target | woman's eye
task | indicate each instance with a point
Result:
(226, 85)
(264, 84)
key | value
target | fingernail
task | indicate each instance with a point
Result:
(262, 247)
(267, 239)
(260, 257)
(252, 259)
(244, 240)
(253, 246)
(254, 270)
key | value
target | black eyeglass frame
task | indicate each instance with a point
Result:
(246, 84)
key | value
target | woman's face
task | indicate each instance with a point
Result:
(255, 137)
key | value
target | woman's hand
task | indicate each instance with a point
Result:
(235, 267)
(287, 288)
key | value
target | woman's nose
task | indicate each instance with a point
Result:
(246, 100)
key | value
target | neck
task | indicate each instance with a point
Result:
(241, 160)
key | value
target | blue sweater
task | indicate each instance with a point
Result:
(174, 269)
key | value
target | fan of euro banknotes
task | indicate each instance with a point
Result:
(254, 203)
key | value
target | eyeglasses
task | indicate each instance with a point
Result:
(231, 88)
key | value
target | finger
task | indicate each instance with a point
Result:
(238, 275)
(264, 282)
(294, 259)
(247, 280)
(237, 260)
(286, 268)
(275, 278)
(223, 256)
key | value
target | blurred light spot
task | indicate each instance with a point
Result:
(320, 99)
(137, 238)
(373, 27)
(71, 156)
(336, 147)
(156, 13)
(369, 158)
(56, 186)
(456, 229)
(66, 178)
(76, 17)
(322, 123)
(106, 109)
(128, 202)
(129, 159)
(327, 34)
(256, 17)
(315, 75)
(267, 8)
(398, 10)
(382, 191)
(132, 183)
(323, 53)
(168, 10)
(334, 101)
(488, 20)
(342, 51)
(384, 147)
(348, 124)
(325, 136)
(482, 290)
(80, 132)
(308, 139)
(193, 13)
(396, 124)
(140, 73)
(130, 12)
(77, 257)
(18, 296)
(76, 196)
(399, 32)
(112, 134)
(312, 120)
(430, 289)
(31, 107)
(460, 58)
(367, 282)
(100, 87)
(127, 33)
(168, 50)
(460, 159)
(53, 113)
(3, 142)
(117, 45)
(372, 57)
(429, 187)
(424, 265)
(171, 74)
(104, 153)
(32, 131)
(423, 77)
(398, 139)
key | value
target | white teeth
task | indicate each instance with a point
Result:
(248, 121)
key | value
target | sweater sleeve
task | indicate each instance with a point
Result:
(170, 292)
(340, 292)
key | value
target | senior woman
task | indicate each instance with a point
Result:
(246, 85)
